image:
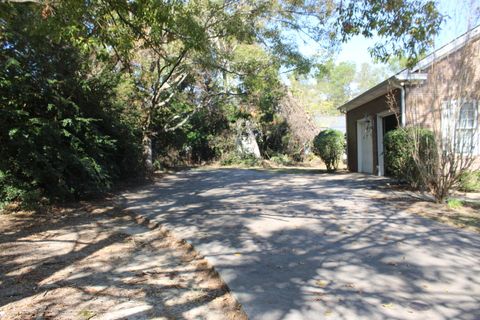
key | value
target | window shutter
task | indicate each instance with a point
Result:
(445, 121)
(476, 137)
(448, 124)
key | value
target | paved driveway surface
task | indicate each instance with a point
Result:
(318, 246)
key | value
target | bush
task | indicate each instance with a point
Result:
(62, 135)
(455, 203)
(281, 160)
(329, 145)
(12, 190)
(470, 181)
(234, 158)
(400, 150)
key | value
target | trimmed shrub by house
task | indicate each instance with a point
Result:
(401, 148)
(470, 181)
(329, 145)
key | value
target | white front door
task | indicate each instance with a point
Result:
(365, 146)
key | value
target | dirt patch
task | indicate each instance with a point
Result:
(465, 217)
(98, 262)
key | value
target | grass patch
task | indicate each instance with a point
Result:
(295, 170)
(457, 213)
(470, 181)
(455, 203)
(464, 214)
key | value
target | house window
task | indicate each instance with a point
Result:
(466, 129)
(460, 127)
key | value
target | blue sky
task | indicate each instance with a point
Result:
(457, 22)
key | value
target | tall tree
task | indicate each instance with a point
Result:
(332, 86)
(369, 75)
(334, 82)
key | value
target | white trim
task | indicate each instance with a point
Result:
(474, 129)
(450, 125)
(386, 113)
(380, 167)
(407, 76)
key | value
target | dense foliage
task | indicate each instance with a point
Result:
(61, 133)
(401, 148)
(329, 145)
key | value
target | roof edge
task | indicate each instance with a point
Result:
(411, 75)
(401, 78)
(447, 49)
(370, 94)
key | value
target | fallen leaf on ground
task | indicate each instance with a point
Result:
(321, 283)
(87, 314)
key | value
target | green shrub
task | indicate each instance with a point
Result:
(281, 159)
(234, 158)
(13, 190)
(455, 203)
(63, 134)
(400, 147)
(470, 181)
(329, 145)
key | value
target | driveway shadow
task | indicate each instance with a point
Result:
(308, 246)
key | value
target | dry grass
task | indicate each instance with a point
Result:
(466, 216)
(98, 262)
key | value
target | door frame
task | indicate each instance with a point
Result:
(380, 155)
(359, 150)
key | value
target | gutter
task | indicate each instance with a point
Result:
(402, 78)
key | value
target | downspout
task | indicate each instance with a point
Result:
(401, 86)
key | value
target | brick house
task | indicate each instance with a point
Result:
(441, 92)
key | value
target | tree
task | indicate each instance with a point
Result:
(329, 89)
(334, 82)
(61, 135)
(405, 27)
(369, 76)
(174, 37)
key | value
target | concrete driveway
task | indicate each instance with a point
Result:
(315, 246)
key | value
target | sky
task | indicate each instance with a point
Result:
(356, 49)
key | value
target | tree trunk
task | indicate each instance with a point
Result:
(147, 154)
(246, 141)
